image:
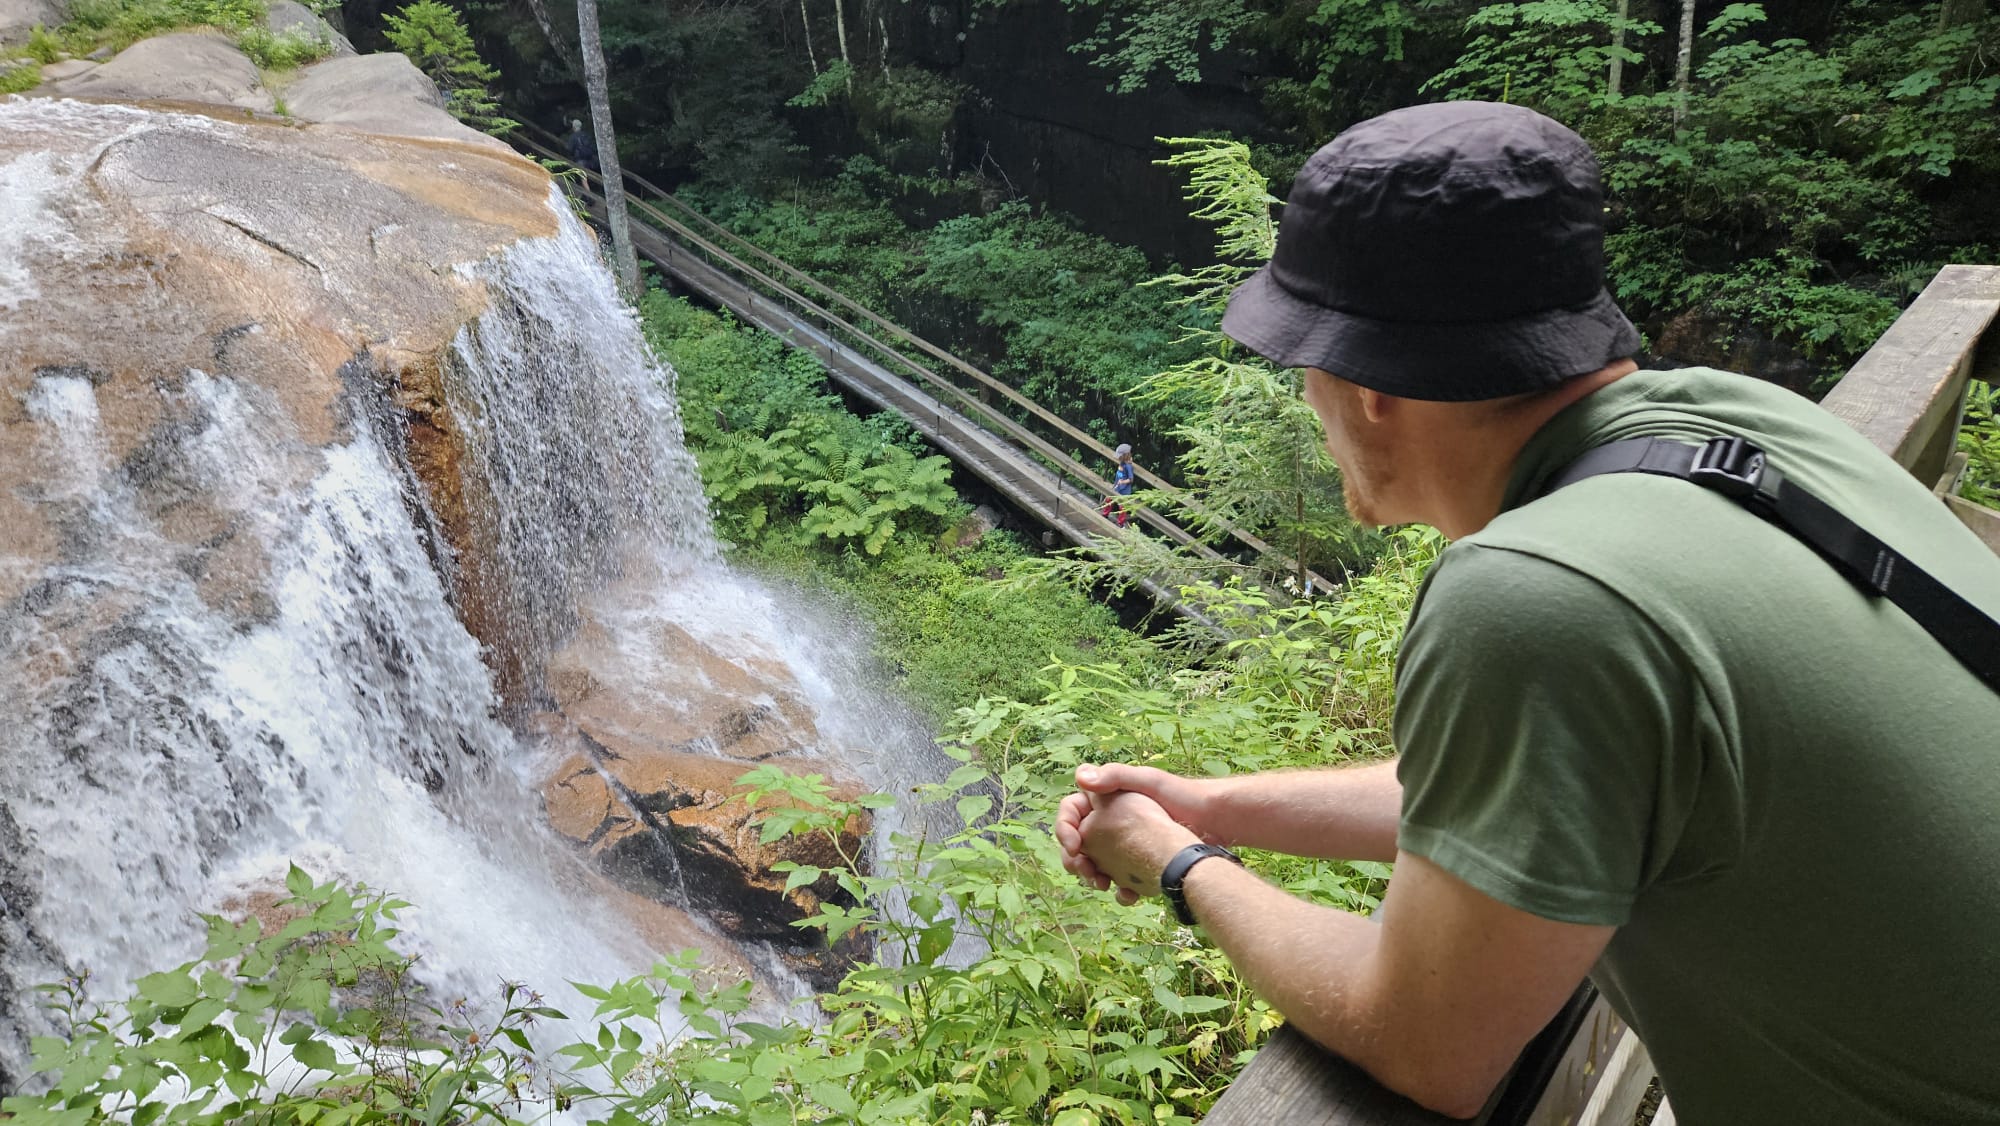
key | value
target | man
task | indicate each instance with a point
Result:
(582, 145)
(1644, 735)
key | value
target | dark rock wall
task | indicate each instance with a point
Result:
(1042, 117)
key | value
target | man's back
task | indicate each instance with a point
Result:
(1634, 703)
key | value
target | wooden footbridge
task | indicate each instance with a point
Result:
(1019, 448)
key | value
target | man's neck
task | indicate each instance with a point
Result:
(1475, 450)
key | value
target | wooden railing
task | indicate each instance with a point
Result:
(1907, 395)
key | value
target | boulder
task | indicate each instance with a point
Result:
(646, 779)
(383, 93)
(67, 69)
(188, 66)
(290, 16)
(18, 18)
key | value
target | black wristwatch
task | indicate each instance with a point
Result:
(1176, 872)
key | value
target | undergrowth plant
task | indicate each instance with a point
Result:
(284, 50)
(434, 37)
(1980, 440)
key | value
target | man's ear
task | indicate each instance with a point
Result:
(1375, 406)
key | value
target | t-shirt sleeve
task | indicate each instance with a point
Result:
(1544, 724)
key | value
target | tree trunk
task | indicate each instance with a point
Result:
(1684, 63)
(1960, 11)
(1617, 48)
(840, 30)
(556, 42)
(624, 263)
(805, 21)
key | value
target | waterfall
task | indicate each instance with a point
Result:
(181, 725)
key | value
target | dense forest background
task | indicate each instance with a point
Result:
(1783, 177)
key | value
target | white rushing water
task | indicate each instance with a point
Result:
(176, 736)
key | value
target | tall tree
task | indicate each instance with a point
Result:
(624, 263)
(1684, 63)
(1617, 48)
(556, 42)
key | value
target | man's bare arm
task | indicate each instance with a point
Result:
(1338, 813)
(1435, 999)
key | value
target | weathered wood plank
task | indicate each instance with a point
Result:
(1621, 1087)
(1585, 1066)
(1906, 394)
(1295, 1081)
(1984, 522)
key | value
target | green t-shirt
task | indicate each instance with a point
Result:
(1633, 703)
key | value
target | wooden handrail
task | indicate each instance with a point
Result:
(1062, 460)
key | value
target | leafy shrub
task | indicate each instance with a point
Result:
(1980, 440)
(120, 23)
(283, 50)
(42, 46)
(434, 37)
(19, 76)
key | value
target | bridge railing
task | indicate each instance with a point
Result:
(1907, 395)
(972, 392)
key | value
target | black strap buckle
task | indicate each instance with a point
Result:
(1730, 466)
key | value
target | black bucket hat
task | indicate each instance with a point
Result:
(1449, 252)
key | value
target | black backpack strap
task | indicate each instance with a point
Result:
(1738, 470)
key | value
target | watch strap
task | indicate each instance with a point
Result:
(1174, 876)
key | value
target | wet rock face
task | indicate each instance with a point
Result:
(1702, 339)
(646, 781)
(159, 270)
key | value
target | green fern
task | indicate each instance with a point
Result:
(866, 505)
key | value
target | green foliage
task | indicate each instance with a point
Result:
(825, 86)
(778, 454)
(119, 23)
(43, 47)
(1979, 439)
(19, 77)
(207, 1042)
(1139, 40)
(864, 503)
(284, 51)
(1052, 311)
(1542, 53)
(1793, 193)
(435, 38)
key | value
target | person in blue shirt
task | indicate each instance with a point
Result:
(1122, 484)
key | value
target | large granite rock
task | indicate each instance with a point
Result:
(188, 66)
(18, 18)
(382, 93)
(289, 17)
